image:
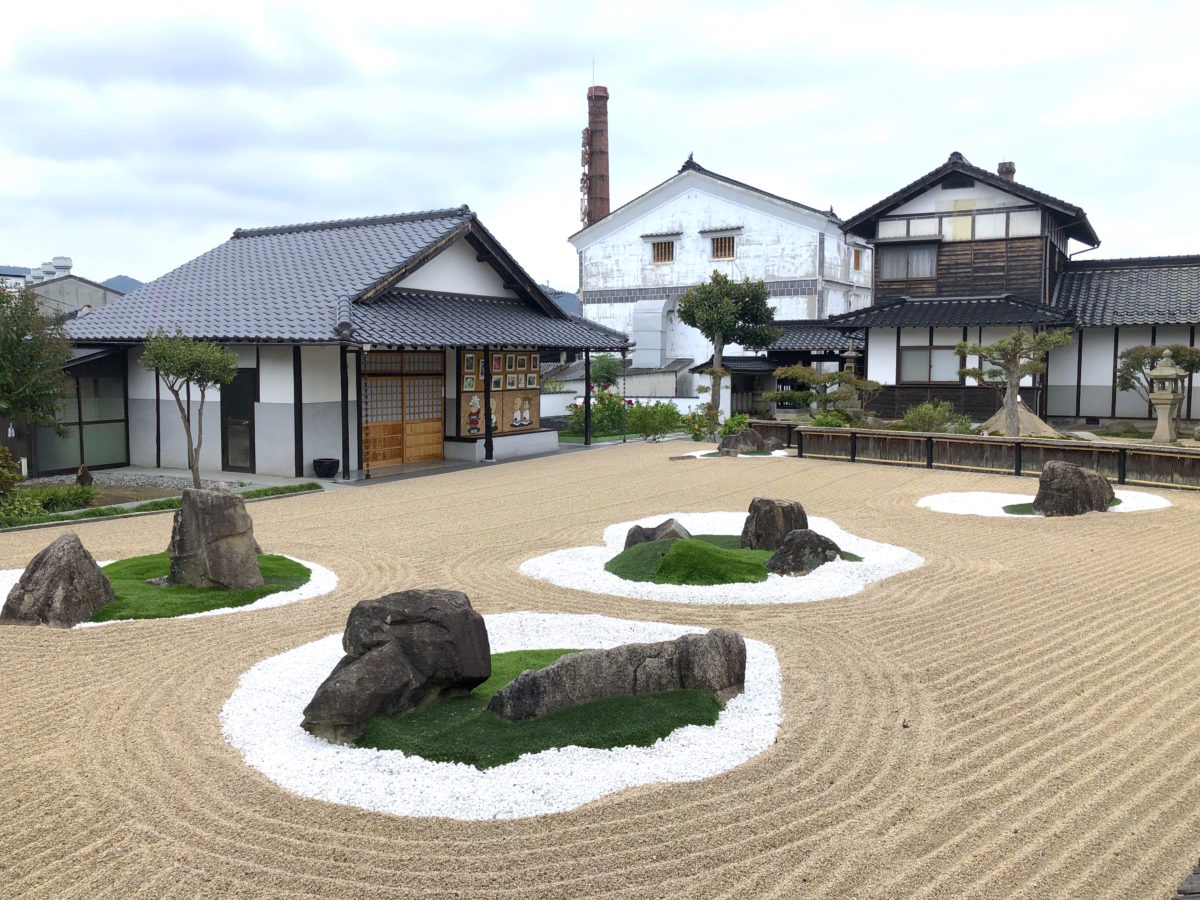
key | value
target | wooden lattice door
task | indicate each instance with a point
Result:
(383, 425)
(403, 407)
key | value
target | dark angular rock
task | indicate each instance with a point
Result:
(714, 662)
(212, 542)
(83, 476)
(729, 451)
(770, 521)
(668, 529)
(772, 444)
(62, 586)
(802, 551)
(745, 441)
(1066, 489)
(403, 651)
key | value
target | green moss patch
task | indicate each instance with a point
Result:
(462, 730)
(703, 559)
(1026, 509)
(135, 599)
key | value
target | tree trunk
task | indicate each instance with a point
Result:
(199, 441)
(718, 355)
(1012, 414)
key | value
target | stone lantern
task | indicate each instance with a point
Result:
(1166, 395)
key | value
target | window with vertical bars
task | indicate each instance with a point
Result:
(664, 251)
(722, 247)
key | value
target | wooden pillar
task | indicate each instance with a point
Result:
(486, 369)
(297, 409)
(587, 397)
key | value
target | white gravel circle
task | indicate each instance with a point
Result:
(991, 503)
(582, 568)
(262, 720)
(321, 581)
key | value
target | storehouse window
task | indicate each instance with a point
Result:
(857, 260)
(901, 263)
(664, 251)
(927, 356)
(722, 247)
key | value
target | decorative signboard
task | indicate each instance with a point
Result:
(516, 401)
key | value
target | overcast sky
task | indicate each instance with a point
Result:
(133, 138)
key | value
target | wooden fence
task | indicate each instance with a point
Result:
(1123, 463)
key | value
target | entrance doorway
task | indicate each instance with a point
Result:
(237, 421)
(403, 407)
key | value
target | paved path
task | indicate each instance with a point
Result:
(1016, 718)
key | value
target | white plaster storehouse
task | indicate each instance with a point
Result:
(636, 262)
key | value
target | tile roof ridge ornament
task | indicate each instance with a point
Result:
(691, 163)
(344, 328)
(463, 211)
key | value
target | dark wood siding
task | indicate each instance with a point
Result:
(974, 268)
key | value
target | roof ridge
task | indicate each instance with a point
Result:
(329, 224)
(1122, 262)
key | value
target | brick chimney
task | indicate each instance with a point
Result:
(597, 165)
(1007, 170)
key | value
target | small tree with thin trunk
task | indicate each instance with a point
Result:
(728, 312)
(1134, 365)
(181, 361)
(1007, 361)
(33, 351)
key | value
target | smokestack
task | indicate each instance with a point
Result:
(1007, 170)
(597, 156)
(62, 266)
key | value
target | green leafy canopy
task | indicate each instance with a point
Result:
(33, 351)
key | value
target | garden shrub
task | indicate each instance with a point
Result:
(702, 424)
(609, 413)
(15, 507)
(61, 497)
(735, 424)
(653, 420)
(830, 418)
(10, 471)
(935, 416)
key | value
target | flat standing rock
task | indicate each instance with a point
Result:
(212, 542)
(713, 662)
(770, 521)
(61, 586)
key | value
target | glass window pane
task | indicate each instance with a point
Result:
(102, 398)
(914, 337)
(943, 366)
(1024, 223)
(891, 228)
(104, 444)
(989, 225)
(922, 261)
(922, 227)
(956, 228)
(67, 409)
(893, 262)
(53, 452)
(914, 365)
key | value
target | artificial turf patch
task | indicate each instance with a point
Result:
(462, 730)
(1026, 509)
(702, 559)
(135, 599)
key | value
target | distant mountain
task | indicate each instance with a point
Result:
(567, 301)
(122, 283)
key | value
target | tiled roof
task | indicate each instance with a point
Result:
(272, 284)
(1162, 290)
(743, 365)
(950, 311)
(804, 334)
(1076, 223)
(430, 318)
(297, 283)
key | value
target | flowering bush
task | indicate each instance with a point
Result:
(609, 412)
(734, 424)
(702, 424)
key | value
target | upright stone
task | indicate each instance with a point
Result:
(212, 542)
(713, 662)
(83, 477)
(403, 651)
(1066, 489)
(62, 586)
(770, 521)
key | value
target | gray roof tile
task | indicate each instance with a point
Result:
(1162, 290)
(805, 334)
(919, 312)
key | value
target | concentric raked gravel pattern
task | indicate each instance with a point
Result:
(1017, 717)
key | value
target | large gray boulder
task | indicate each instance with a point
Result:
(802, 551)
(212, 542)
(61, 586)
(745, 441)
(770, 521)
(772, 444)
(1066, 489)
(668, 529)
(403, 651)
(714, 662)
